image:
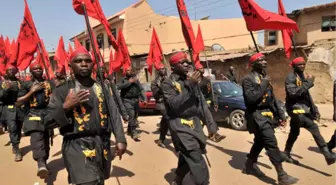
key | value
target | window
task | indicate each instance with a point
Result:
(272, 38)
(100, 40)
(87, 44)
(328, 23)
(114, 33)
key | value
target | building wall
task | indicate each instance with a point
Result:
(309, 24)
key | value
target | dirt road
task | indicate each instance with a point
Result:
(147, 164)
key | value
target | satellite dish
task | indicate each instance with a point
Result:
(217, 47)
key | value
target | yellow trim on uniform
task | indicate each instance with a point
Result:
(209, 102)
(178, 86)
(11, 106)
(189, 123)
(35, 118)
(89, 153)
(267, 114)
(299, 111)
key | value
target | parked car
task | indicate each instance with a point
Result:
(151, 104)
(231, 105)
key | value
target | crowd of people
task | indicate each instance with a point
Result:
(88, 112)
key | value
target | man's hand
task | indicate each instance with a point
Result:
(73, 99)
(195, 77)
(312, 77)
(120, 150)
(283, 123)
(216, 108)
(36, 87)
(269, 80)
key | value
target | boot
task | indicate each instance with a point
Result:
(135, 135)
(42, 171)
(161, 144)
(329, 156)
(18, 155)
(283, 177)
(177, 181)
(216, 137)
(251, 169)
(288, 158)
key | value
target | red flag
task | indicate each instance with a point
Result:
(3, 59)
(111, 67)
(123, 54)
(14, 52)
(70, 50)
(45, 55)
(61, 55)
(95, 11)
(187, 29)
(155, 53)
(77, 44)
(8, 46)
(199, 45)
(27, 39)
(286, 33)
(257, 18)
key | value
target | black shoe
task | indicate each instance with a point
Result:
(216, 137)
(135, 135)
(329, 156)
(283, 177)
(288, 158)
(42, 170)
(252, 169)
(160, 144)
(18, 156)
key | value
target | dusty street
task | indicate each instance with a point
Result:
(147, 164)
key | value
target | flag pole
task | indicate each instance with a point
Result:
(98, 65)
(294, 46)
(199, 92)
(166, 64)
(44, 63)
(254, 42)
(212, 90)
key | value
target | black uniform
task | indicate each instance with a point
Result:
(232, 77)
(301, 109)
(34, 119)
(12, 115)
(86, 134)
(332, 142)
(120, 104)
(158, 95)
(184, 107)
(262, 115)
(130, 94)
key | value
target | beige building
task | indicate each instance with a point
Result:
(315, 23)
(138, 20)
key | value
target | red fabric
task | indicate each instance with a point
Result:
(47, 61)
(61, 55)
(155, 54)
(77, 44)
(126, 61)
(34, 64)
(95, 11)
(8, 48)
(158, 65)
(111, 62)
(257, 18)
(296, 61)
(287, 33)
(28, 39)
(178, 57)
(187, 29)
(198, 65)
(199, 45)
(79, 51)
(11, 66)
(95, 44)
(256, 57)
(14, 52)
(3, 59)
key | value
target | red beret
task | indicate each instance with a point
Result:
(11, 66)
(256, 57)
(61, 69)
(198, 65)
(178, 57)
(34, 64)
(296, 61)
(79, 51)
(158, 65)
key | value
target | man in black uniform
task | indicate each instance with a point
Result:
(206, 89)
(35, 94)
(332, 142)
(185, 104)
(60, 76)
(12, 115)
(158, 95)
(263, 113)
(131, 91)
(302, 110)
(231, 75)
(79, 109)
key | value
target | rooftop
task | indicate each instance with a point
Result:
(314, 8)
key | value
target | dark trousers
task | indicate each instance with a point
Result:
(92, 183)
(14, 128)
(164, 123)
(298, 121)
(264, 138)
(192, 165)
(332, 142)
(132, 107)
(39, 142)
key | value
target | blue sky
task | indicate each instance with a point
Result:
(55, 18)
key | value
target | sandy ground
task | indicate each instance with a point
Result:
(147, 164)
